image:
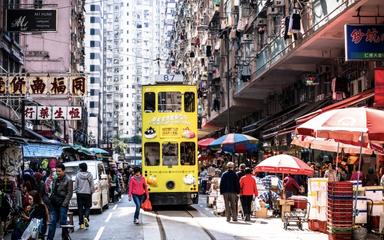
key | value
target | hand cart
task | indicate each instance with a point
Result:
(299, 212)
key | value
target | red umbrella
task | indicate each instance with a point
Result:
(284, 164)
(203, 143)
(347, 125)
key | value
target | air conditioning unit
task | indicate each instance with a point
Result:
(278, 3)
(272, 11)
(261, 21)
(246, 38)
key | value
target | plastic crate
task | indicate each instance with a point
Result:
(332, 236)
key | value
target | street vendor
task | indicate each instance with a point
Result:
(291, 186)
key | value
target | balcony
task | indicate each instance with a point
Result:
(292, 58)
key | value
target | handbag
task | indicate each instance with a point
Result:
(32, 231)
(147, 205)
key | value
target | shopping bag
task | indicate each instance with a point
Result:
(256, 204)
(32, 231)
(147, 205)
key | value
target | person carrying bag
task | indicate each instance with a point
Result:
(138, 189)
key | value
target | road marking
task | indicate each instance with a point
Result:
(114, 208)
(108, 218)
(98, 235)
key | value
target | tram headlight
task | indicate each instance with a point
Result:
(152, 181)
(189, 179)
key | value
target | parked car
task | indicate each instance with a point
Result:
(100, 197)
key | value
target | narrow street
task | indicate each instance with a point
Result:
(194, 222)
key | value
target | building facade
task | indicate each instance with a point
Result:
(56, 52)
(133, 37)
(94, 62)
(262, 64)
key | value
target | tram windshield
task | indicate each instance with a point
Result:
(170, 152)
(189, 102)
(149, 102)
(152, 153)
(187, 151)
(169, 101)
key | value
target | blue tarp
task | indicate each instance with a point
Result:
(42, 150)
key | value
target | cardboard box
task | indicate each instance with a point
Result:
(262, 213)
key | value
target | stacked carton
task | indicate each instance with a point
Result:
(340, 210)
(317, 198)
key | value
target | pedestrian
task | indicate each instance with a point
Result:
(138, 189)
(241, 171)
(382, 178)
(291, 186)
(203, 179)
(84, 189)
(331, 173)
(230, 188)
(62, 189)
(371, 179)
(248, 191)
(39, 211)
(113, 185)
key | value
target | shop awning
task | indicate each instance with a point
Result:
(289, 124)
(351, 101)
(251, 128)
(38, 150)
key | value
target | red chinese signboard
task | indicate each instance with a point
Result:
(74, 113)
(41, 84)
(379, 87)
(52, 113)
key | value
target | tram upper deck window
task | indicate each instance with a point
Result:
(189, 102)
(169, 101)
(152, 153)
(187, 151)
(149, 102)
(170, 154)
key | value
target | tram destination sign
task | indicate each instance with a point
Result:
(31, 20)
(169, 78)
(364, 42)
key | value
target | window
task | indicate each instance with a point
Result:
(92, 104)
(95, 44)
(187, 152)
(95, 8)
(92, 92)
(189, 102)
(149, 102)
(170, 151)
(38, 3)
(152, 153)
(94, 56)
(94, 31)
(94, 68)
(93, 80)
(169, 102)
(127, 123)
(95, 20)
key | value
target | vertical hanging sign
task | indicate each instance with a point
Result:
(379, 87)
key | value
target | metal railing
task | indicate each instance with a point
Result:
(277, 48)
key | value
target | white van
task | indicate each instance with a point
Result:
(100, 197)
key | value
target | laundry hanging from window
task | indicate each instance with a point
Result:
(294, 23)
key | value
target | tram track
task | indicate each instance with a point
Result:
(162, 229)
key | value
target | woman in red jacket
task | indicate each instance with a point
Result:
(248, 190)
(137, 188)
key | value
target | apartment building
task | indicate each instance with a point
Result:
(262, 64)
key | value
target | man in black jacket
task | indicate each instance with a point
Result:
(62, 191)
(230, 188)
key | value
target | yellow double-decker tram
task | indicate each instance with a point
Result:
(169, 143)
